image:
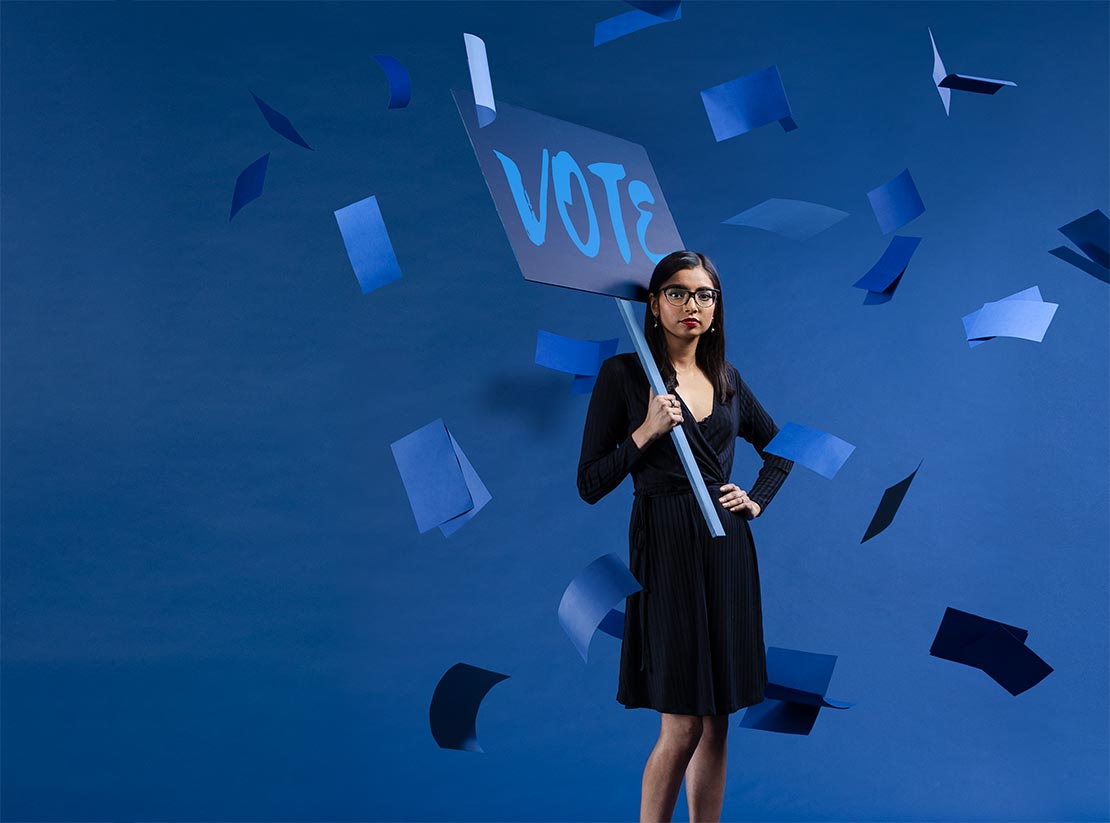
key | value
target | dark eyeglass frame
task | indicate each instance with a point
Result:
(694, 294)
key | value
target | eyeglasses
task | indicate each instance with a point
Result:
(703, 298)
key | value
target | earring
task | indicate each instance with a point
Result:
(712, 329)
(656, 324)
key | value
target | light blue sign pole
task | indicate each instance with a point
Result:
(678, 434)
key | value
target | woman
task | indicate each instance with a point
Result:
(693, 637)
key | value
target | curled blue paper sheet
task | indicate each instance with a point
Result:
(1024, 315)
(458, 695)
(248, 185)
(939, 74)
(400, 84)
(888, 506)
(896, 202)
(1091, 233)
(795, 219)
(279, 122)
(480, 81)
(571, 355)
(883, 278)
(478, 492)
(612, 624)
(1031, 293)
(746, 103)
(796, 685)
(816, 450)
(979, 85)
(591, 595)
(635, 20)
(997, 649)
(368, 246)
(441, 485)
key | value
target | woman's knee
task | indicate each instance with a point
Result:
(682, 731)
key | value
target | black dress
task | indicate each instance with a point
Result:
(693, 638)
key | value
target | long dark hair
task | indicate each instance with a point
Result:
(710, 353)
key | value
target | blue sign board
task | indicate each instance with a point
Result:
(582, 209)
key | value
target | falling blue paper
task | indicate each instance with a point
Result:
(1032, 293)
(896, 203)
(400, 84)
(248, 185)
(1024, 315)
(746, 103)
(613, 624)
(796, 685)
(1091, 233)
(635, 20)
(823, 453)
(569, 354)
(368, 245)
(432, 470)
(795, 219)
(939, 74)
(888, 506)
(279, 122)
(883, 278)
(478, 492)
(998, 649)
(453, 714)
(480, 81)
(590, 596)
(979, 85)
(582, 358)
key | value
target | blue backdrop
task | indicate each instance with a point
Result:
(216, 604)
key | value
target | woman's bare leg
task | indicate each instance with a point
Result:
(678, 738)
(705, 776)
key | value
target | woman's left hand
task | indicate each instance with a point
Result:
(736, 500)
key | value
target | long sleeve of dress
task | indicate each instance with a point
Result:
(757, 427)
(608, 450)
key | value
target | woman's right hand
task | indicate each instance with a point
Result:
(664, 412)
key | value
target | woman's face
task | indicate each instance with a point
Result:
(692, 318)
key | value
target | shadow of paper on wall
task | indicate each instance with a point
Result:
(537, 400)
(279, 122)
(888, 506)
(1091, 234)
(998, 649)
(796, 685)
(453, 713)
(248, 185)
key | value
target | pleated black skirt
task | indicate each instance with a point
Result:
(693, 638)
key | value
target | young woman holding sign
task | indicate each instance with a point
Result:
(693, 637)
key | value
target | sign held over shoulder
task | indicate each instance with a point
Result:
(582, 209)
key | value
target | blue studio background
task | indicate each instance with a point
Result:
(216, 604)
